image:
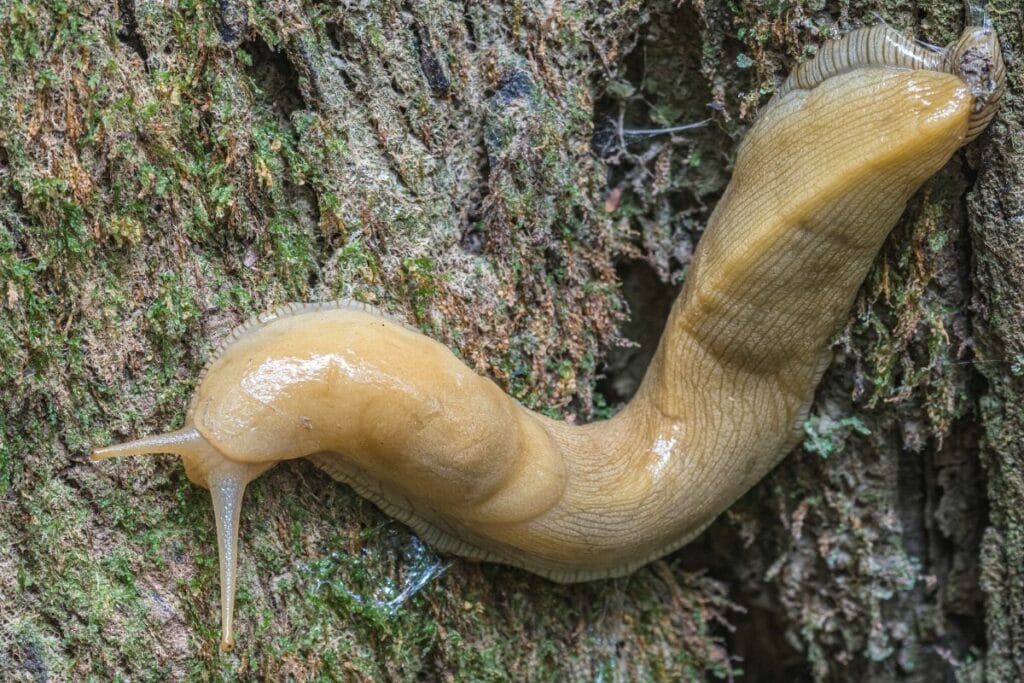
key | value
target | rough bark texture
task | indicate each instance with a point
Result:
(168, 169)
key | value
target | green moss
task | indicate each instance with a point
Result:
(827, 437)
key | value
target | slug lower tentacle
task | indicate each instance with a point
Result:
(819, 182)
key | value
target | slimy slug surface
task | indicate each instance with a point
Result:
(819, 182)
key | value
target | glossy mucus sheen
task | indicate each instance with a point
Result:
(819, 182)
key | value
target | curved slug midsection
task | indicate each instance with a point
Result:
(398, 405)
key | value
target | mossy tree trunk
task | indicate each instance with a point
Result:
(169, 169)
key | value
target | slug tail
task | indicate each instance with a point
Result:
(227, 489)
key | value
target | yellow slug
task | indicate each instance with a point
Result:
(819, 182)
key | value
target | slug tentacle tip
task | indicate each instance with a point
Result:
(227, 490)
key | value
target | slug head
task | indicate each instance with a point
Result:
(226, 480)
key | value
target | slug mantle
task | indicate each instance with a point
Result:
(819, 182)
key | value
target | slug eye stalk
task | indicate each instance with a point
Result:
(226, 481)
(183, 442)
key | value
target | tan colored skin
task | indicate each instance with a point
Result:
(819, 182)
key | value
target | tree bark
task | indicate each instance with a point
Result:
(168, 170)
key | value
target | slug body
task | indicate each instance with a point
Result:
(819, 182)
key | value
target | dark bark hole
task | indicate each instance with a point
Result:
(474, 237)
(650, 300)
(474, 240)
(431, 66)
(276, 78)
(338, 41)
(277, 88)
(128, 34)
(766, 656)
(942, 514)
(513, 84)
(471, 42)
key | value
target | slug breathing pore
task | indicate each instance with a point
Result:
(819, 182)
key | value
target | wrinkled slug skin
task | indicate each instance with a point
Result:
(818, 183)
